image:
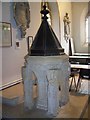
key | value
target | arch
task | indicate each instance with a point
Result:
(55, 18)
(35, 85)
(83, 26)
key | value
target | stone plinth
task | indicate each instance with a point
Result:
(51, 72)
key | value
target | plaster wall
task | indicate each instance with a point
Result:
(13, 57)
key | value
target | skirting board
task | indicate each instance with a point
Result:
(10, 84)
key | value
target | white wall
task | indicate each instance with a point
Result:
(79, 10)
(63, 8)
(13, 58)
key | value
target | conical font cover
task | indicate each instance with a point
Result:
(45, 42)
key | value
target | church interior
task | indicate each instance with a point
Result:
(44, 59)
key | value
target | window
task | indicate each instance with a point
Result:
(88, 25)
(87, 30)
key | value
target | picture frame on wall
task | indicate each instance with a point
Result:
(6, 33)
(29, 42)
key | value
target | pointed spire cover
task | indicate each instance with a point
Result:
(45, 42)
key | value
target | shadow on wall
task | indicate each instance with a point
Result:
(55, 18)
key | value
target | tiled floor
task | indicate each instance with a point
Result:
(73, 109)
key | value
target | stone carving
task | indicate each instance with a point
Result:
(51, 72)
(22, 16)
(66, 27)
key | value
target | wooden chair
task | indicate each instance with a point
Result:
(73, 81)
(84, 73)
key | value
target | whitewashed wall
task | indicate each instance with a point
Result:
(12, 57)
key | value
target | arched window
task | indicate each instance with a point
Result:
(88, 25)
(48, 15)
(88, 30)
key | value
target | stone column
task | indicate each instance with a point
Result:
(53, 92)
(28, 87)
(42, 90)
(64, 83)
